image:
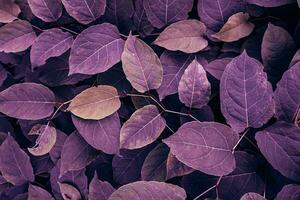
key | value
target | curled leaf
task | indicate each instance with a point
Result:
(69, 192)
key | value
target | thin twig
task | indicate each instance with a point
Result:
(239, 141)
(209, 189)
(69, 30)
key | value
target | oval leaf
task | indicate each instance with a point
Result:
(27, 101)
(99, 190)
(95, 102)
(69, 192)
(185, 36)
(235, 28)
(141, 65)
(16, 36)
(37, 193)
(99, 41)
(9, 11)
(194, 88)
(143, 190)
(291, 192)
(161, 13)
(246, 95)
(142, 128)
(252, 196)
(50, 43)
(15, 164)
(46, 10)
(85, 11)
(101, 134)
(205, 146)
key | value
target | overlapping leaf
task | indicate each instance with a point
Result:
(252, 196)
(9, 11)
(47, 10)
(140, 20)
(99, 190)
(36, 193)
(291, 191)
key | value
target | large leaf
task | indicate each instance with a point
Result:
(205, 146)
(95, 102)
(141, 65)
(280, 146)
(270, 3)
(194, 88)
(37, 193)
(103, 134)
(15, 164)
(174, 64)
(246, 95)
(143, 190)
(85, 11)
(27, 101)
(99, 190)
(185, 36)
(291, 192)
(16, 36)
(47, 10)
(287, 94)
(51, 43)
(140, 20)
(9, 11)
(142, 128)
(99, 41)
(161, 13)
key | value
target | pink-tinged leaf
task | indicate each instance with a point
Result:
(46, 10)
(270, 3)
(146, 190)
(29, 101)
(154, 167)
(161, 13)
(252, 196)
(76, 154)
(38, 193)
(57, 148)
(141, 65)
(236, 27)
(174, 64)
(69, 192)
(140, 20)
(16, 36)
(96, 49)
(103, 134)
(296, 58)
(205, 146)
(85, 11)
(45, 141)
(9, 11)
(280, 146)
(290, 192)
(186, 36)
(194, 87)
(142, 128)
(99, 190)
(287, 95)
(246, 95)
(176, 168)
(51, 43)
(15, 164)
(217, 67)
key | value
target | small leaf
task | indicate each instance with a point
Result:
(205, 146)
(142, 128)
(252, 196)
(29, 101)
(217, 67)
(176, 168)
(69, 192)
(291, 192)
(141, 65)
(194, 88)
(235, 28)
(9, 11)
(99, 190)
(45, 141)
(38, 193)
(143, 190)
(57, 148)
(95, 102)
(16, 36)
(46, 10)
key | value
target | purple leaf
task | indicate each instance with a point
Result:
(69, 191)
(205, 146)
(76, 154)
(99, 41)
(270, 3)
(37, 193)
(279, 145)
(46, 10)
(142, 128)
(174, 64)
(161, 13)
(291, 192)
(140, 20)
(16, 36)
(41, 164)
(252, 196)
(99, 190)
(15, 164)
(246, 95)
(143, 190)
(103, 134)
(287, 94)
(51, 43)
(186, 36)
(141, 65)
(9, 11)
(27, 101)
(3, 75)
(217, 67)
(85, 11)
(57, 148)
(194, 88)
(176, 168)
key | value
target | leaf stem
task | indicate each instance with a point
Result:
(209, 189)
(69, 30)
(239, 141)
